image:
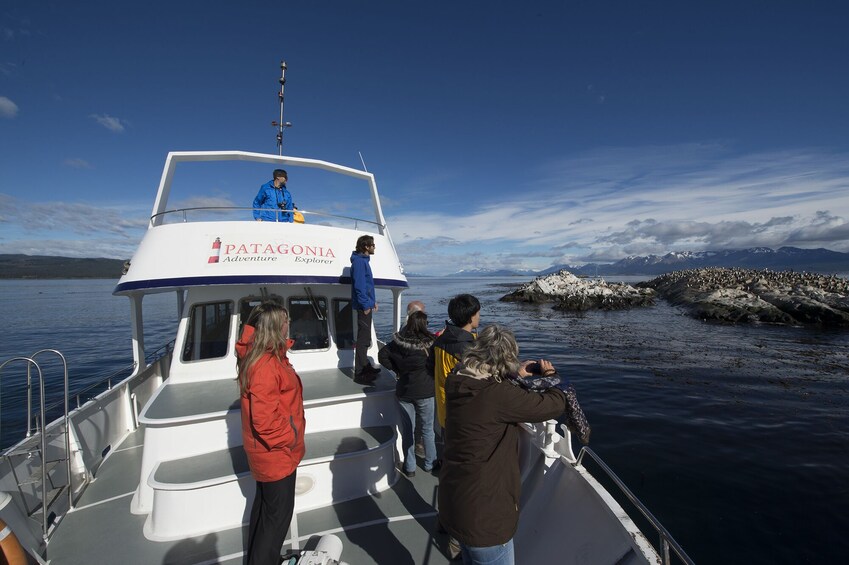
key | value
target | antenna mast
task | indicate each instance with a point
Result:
(281, 125)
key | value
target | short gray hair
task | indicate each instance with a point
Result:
(415, 306)
(494, 352)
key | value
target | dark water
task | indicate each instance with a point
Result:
(82, 320)
(736, 438)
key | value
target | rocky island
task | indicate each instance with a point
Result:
(569, 292)
(765, 296)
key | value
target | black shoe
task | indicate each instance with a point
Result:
(409, 474)
(437, 465)
(364, 379)
(367, 372)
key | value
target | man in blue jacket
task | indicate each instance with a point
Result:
(363, 300)
(274, 199)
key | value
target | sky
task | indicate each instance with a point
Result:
(514, 135)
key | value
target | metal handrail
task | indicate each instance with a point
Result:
(107, 379)
(31, 361)
(666, 539)
(155, 355)
(67, 429)
(43, 409)
(149, 358)
(243, 208)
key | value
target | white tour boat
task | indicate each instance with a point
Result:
(152, 470)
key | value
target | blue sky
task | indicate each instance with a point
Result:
(502, 134)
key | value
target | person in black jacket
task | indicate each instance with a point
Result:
(407, 355)
(480, 483)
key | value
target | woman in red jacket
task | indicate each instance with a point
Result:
(272, 427)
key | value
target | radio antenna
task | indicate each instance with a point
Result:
(281, 125)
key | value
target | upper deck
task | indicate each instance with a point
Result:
(209, 245)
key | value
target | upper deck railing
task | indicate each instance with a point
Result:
(234, 213)
(160, 211)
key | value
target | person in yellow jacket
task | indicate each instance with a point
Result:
(464, 312)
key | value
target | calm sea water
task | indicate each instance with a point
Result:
(736, 438)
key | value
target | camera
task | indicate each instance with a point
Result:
(281, 205)
(534, 368)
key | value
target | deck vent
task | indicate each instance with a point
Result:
(105, 451)
(304, 484)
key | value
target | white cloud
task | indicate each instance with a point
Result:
(65, 247)
(8, 109)
(73, 217)
(219, 201)
(597, 206)
(76, 163)
(109, 122)
(70, 229)
(613, 202)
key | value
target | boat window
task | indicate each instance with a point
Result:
(247, 304)
(209, 331)
(308, 322)
(343, 321)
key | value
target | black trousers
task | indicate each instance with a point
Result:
(271, 515)
(363, 340)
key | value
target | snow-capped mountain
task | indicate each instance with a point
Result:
(784, 258)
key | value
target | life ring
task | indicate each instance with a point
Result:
(11, 551)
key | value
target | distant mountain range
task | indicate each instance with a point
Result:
(784, 258)
(494, 273)
(44, 267)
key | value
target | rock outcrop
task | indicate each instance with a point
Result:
(748, 296)
(569, 292)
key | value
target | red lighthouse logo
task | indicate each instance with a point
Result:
(216, 251)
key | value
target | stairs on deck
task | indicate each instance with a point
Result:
(41, 478)
(211, 491)
(28, 470)
(195, 487)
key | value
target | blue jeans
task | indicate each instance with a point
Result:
(422, 407)
(494, 555)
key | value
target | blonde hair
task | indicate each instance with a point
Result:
(495, 352)
(267, 319)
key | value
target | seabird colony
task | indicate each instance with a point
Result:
(720, 294)
(747, 295)
(569, 292)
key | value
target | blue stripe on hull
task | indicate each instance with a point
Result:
(242, 279)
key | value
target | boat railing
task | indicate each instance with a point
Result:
(219, 213)
(42, 447)
(39, 432)
(103, 383)
(106, 382)
(668, 545)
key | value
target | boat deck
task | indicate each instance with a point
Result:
(189, 400)
(394, 526)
